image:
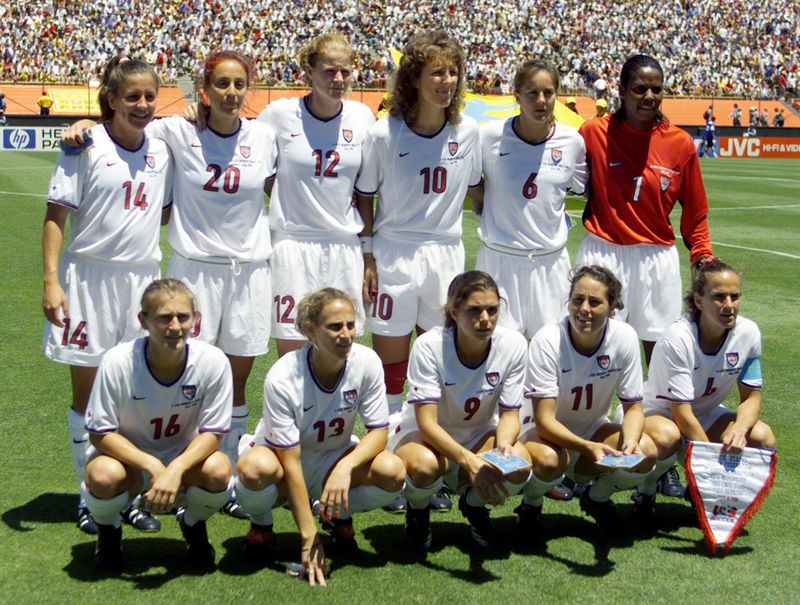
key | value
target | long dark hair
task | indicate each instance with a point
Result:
(116, 72)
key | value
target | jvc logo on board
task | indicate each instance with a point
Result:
(740, 148)
(19, 138)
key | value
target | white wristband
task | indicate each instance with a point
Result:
(366, 244)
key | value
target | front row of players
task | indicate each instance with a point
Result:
(160, 405)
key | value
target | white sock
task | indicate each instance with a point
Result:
(395, 402)
(648, 486)
(534, 490)
(201, 503)
(258, 503)
(79, 442)
(106, 511)
(418, 495)
(611, 483)
(229, 444)
(369, 497)
(514, 488)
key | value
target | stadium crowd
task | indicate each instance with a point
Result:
(707, 47)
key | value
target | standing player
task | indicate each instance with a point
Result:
(466, 390)
(304, 446)
(114, 195)
(155, 416)
(529, 162)
(218, 228)
(575, 367)
(696, 362)
(641, 165)
(315, 224)
(420, 160)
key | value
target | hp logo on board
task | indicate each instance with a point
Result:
(19, 138)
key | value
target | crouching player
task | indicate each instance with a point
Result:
(304, 448)
(466, 390)
(696, 362)
(574, 368)
(155, 416)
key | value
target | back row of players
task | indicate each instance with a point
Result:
(421, 161)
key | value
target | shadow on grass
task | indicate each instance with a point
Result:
(149, 562)
(44, 508)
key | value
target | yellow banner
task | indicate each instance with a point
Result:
(499, 107)
(75, 100)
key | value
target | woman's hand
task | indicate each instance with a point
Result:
(312, 557)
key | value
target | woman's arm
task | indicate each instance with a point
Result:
(334, 498)
(550, 429)
(632, 427)
(735, 436)
(54, 300)
(312, 554)
(366, 209)
(687, 422)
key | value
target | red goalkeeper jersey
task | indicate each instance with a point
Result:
(636, 179)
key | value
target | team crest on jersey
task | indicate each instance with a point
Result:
(603, 361)
(493, 378)
(732, 358)
(452, 147)
(189, 391)
(350, 396)
(150, 161)
(347, 135)
(555, 155)
(245, 151)
(665, 182)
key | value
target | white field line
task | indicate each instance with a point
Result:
(749, 249)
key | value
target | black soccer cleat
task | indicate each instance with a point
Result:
(140, 519)
(528, 518)
(418, 528)
(605, 513)
(108, 551)
(440, 502)
(669, 484)
(199, 551)
(480, 525)
(86, 522)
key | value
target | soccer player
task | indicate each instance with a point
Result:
(219, 229)
(114, 195)
(529, 162)
(696, 362)
(420, 160)
(315, 223)
(155, 416)
(304, 448)
(640, 166)
(575, 366)
(465, 393)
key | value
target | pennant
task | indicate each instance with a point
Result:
(727, 489)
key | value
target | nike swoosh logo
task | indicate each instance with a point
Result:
(293, 135)
(111, 163)
(504, 153)
(308, 408)
(135, 398)
(612, 164)
(563, 371)
(402, 155)
(79, 441)
(449, 384)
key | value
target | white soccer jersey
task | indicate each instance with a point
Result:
(583, 385)
(680, 372)
(318, 161)
(467, 397)
(161, 419)
(219, 189)
(298, 411)
(117, 196)
(421, 181)
(526, 184)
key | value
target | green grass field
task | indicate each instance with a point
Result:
(755, 209)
